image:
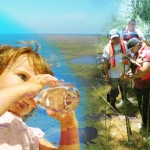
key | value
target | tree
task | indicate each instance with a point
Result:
(141, 9)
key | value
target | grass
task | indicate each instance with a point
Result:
(80, 46)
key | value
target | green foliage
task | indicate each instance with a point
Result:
(141, 9)
(103, 40)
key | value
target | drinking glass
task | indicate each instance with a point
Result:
(63, 98)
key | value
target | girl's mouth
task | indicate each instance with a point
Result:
(22, 104)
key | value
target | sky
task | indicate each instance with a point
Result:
(55, 16)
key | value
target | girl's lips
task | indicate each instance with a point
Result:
(22, 104)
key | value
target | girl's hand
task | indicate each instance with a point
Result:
(69, 137)
(34, 85)
(67, 120)
(38, 82)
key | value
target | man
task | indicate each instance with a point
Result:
(113, 61)
(141, 76)
(132, 32)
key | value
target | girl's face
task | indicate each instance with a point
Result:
(17, 73)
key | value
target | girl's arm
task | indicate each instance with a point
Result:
(9, 95)
(69, 133)
(69, 139)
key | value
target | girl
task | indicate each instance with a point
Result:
(23, 73)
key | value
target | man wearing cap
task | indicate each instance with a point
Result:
(112, 55)
(141, 76)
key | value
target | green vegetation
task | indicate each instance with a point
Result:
(141, 9)
(76, 45)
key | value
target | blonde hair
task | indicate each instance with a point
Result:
(9, 55)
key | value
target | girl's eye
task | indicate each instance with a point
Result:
(23, 77)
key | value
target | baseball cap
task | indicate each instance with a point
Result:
(114, 33)
(132, 42)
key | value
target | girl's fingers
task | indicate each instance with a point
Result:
(45, 78)
(40, 81)
(56, 115)
(63, 118)
(49, 79)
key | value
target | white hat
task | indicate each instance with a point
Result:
(114, 33)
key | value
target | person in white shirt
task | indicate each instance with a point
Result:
(113, 61)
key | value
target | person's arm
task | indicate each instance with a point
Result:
(69, 134)
(69, 139)
(106, 64)
(143, 70)
(11, 94)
